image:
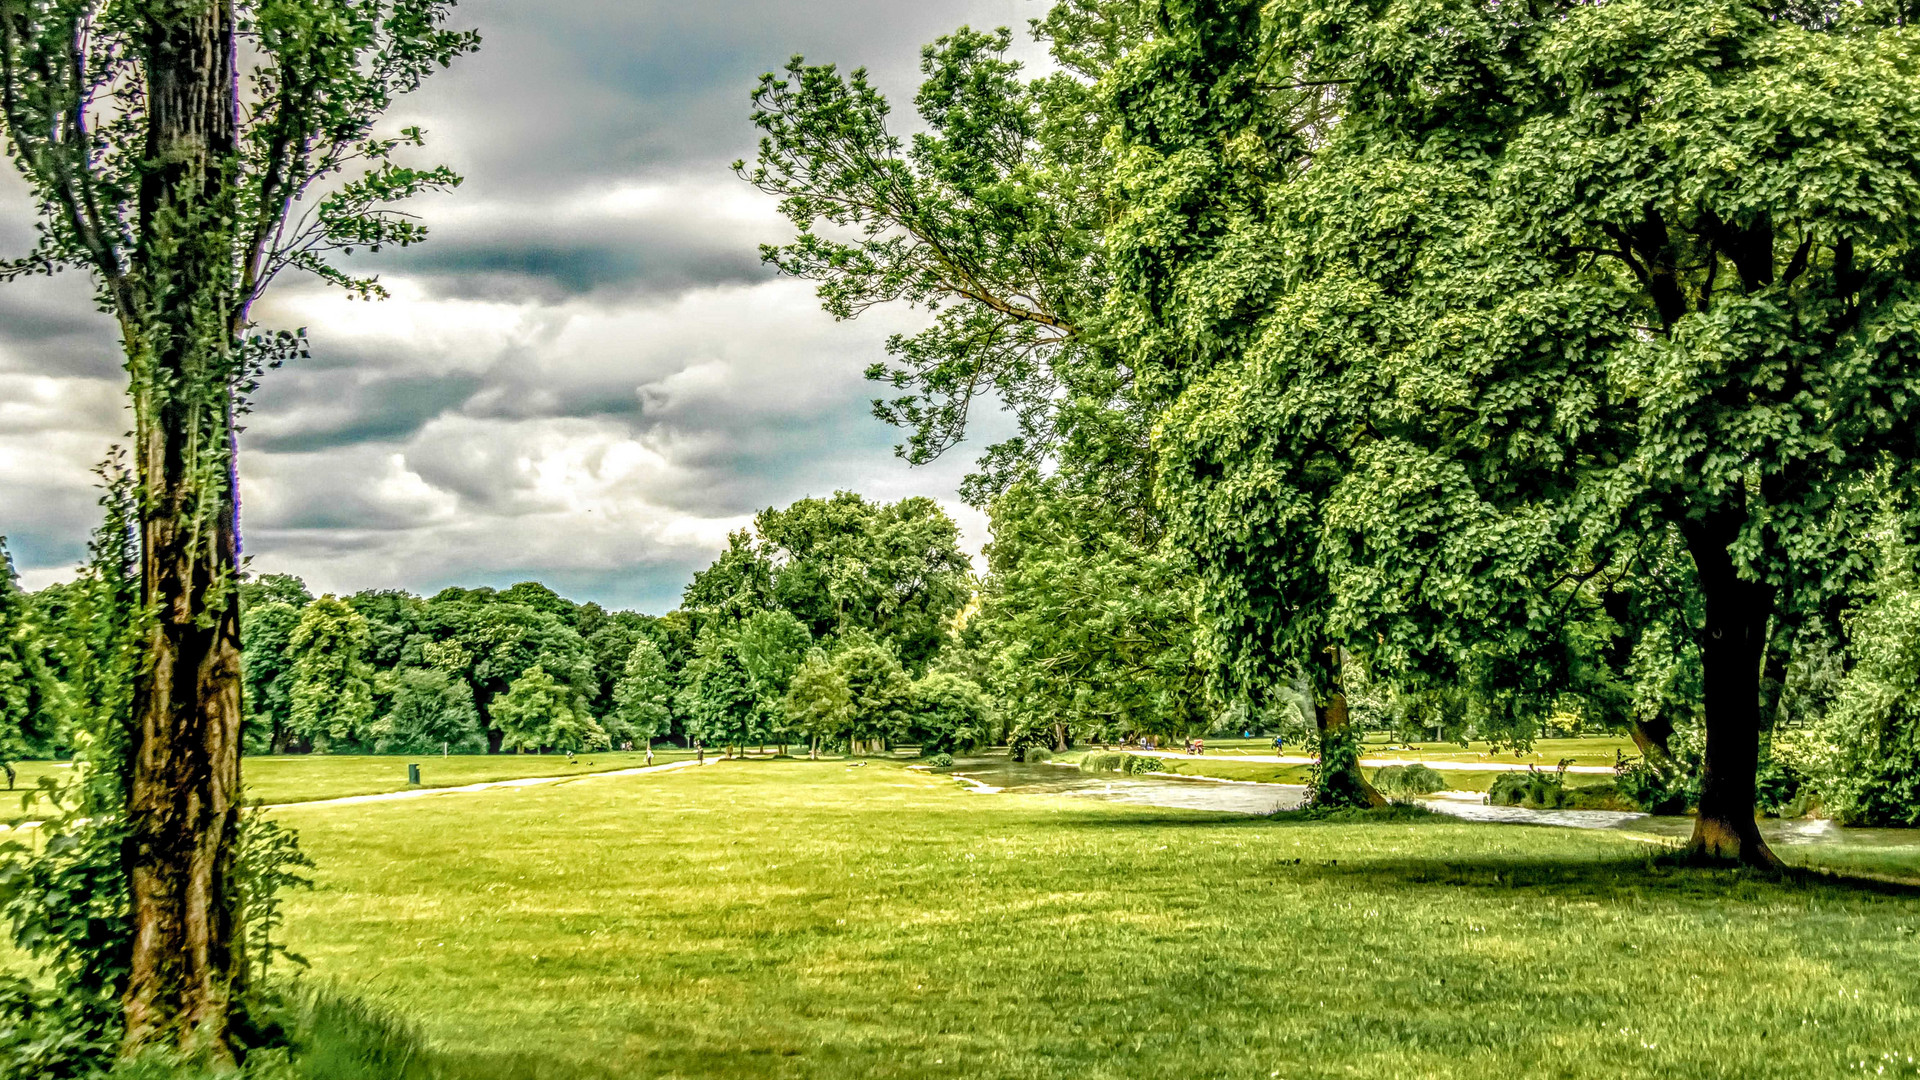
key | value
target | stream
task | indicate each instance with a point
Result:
(998, 775)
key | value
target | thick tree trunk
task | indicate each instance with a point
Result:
(183, 795)
(1731, 646)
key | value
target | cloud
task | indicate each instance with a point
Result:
(585, 376)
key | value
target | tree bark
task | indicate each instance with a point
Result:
(184, 783)
(1342, 783)
(1732, 643)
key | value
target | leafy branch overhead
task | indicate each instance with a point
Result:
(313, 174)
(990, 219)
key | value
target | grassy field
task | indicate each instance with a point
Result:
(811, 920)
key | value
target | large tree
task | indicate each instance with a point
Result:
(184, 196)
(991, 218)
(1596, 301)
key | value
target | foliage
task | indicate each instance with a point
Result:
(1142, 763)
(949, 714)
(540, 712)
(267, 863)
(719, 697)
(1409, 780)
(818, 702)
(773, 645)
(30, 700)
(990, 217)
(266, 636)
(642, 700)
(941, 761)
(1863, 753)
(1576, 311)
(427, 711)
(1087, 631)
(331, 698)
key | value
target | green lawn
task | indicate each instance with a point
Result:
(812, 920)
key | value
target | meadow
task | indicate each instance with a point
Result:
(799, 919)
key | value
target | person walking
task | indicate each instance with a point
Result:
(649, 753)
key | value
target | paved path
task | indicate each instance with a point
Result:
(1373, 762)
(525, 781)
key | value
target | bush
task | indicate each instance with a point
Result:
(941, 761)
(1105, 761)
(1036, 754)
(1137, 764)
(1549, 791)
(1406, 781)
(1654, 790)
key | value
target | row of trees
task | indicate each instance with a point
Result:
(1505, 363)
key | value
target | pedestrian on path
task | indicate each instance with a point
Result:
(649, 753)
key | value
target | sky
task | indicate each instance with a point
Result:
(585, 376)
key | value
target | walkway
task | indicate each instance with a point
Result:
(525, 781)
(1373, 762)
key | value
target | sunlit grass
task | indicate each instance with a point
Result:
(812, 920)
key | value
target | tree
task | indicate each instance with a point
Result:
(818, 703)
(643, 699)
(30, 699)
(950, 714)
(1862, 752)
(1085, 632)
(718, 696)
(428, 711)
(992, 218)
(1613, 281)
(491, 643)
(879, 693)
(266, 636)
(540, 712)
(773, 645)
(330, 701)
(179, 197)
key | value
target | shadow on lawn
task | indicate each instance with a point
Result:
(1662, 874)
(1662, 869)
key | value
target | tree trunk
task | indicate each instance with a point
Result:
(1341, 782)
(1653, 738)
(1731, 646)
(184, 783)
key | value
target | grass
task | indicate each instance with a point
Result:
(1593, 750)
(811, 920)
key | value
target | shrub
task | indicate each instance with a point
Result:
(1406, 781)
(1532, 789)
(1105, 761)
(941, 761)
(1137, 764)
(1036, 754)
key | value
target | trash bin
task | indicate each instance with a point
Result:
(413, 774)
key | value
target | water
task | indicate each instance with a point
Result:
(996, 775)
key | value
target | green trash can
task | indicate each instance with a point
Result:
(413, 774)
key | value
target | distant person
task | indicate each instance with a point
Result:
(700, 750)
(1279, 743)
(649, 753)
(569, 757)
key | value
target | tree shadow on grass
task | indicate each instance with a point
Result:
(1661, 869)
(1655, 874)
